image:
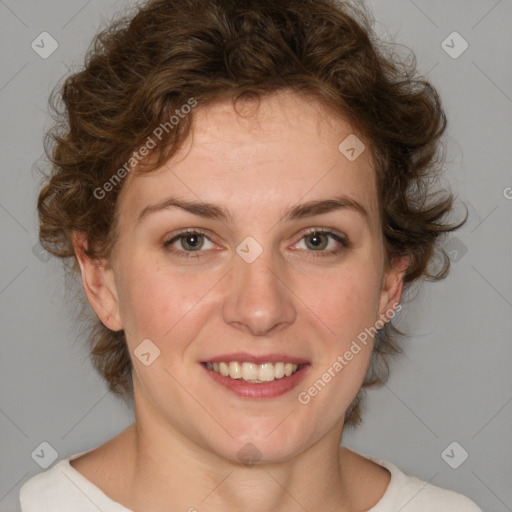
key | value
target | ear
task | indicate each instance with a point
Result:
(392, 287)
(99, 285)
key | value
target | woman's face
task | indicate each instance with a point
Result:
(256, 282)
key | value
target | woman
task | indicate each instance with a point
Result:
(245, 189)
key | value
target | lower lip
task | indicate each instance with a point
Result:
(264, 390)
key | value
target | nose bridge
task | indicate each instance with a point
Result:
(258, 299)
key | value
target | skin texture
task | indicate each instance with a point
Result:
(182, 450)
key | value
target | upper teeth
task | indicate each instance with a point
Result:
(252, 372)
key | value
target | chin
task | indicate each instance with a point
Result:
(261, 443)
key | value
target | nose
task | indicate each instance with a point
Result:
(259, 300)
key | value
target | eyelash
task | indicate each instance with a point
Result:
(343, 241)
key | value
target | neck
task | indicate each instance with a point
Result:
(171, 469)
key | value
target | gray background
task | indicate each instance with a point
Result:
(454, 381)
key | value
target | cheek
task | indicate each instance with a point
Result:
(348, 302)
(347, 307)
(156, 303)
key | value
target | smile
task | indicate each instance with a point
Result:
(258, 377)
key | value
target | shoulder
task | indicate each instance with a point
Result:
(421, 496)
(48, 490)
(410, 494)
(61, 489)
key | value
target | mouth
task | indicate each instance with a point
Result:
(257, 377)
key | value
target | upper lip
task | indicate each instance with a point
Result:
(256, 359)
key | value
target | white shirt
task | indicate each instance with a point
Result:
(63, 489)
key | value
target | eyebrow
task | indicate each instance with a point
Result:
(215, 212)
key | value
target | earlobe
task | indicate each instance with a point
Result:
(98, 283)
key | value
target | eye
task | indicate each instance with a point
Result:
(317, 240)
(188, 241)
(324, 242)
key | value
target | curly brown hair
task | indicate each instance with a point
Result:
(144, 67)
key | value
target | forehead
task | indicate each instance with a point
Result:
(278, 152)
